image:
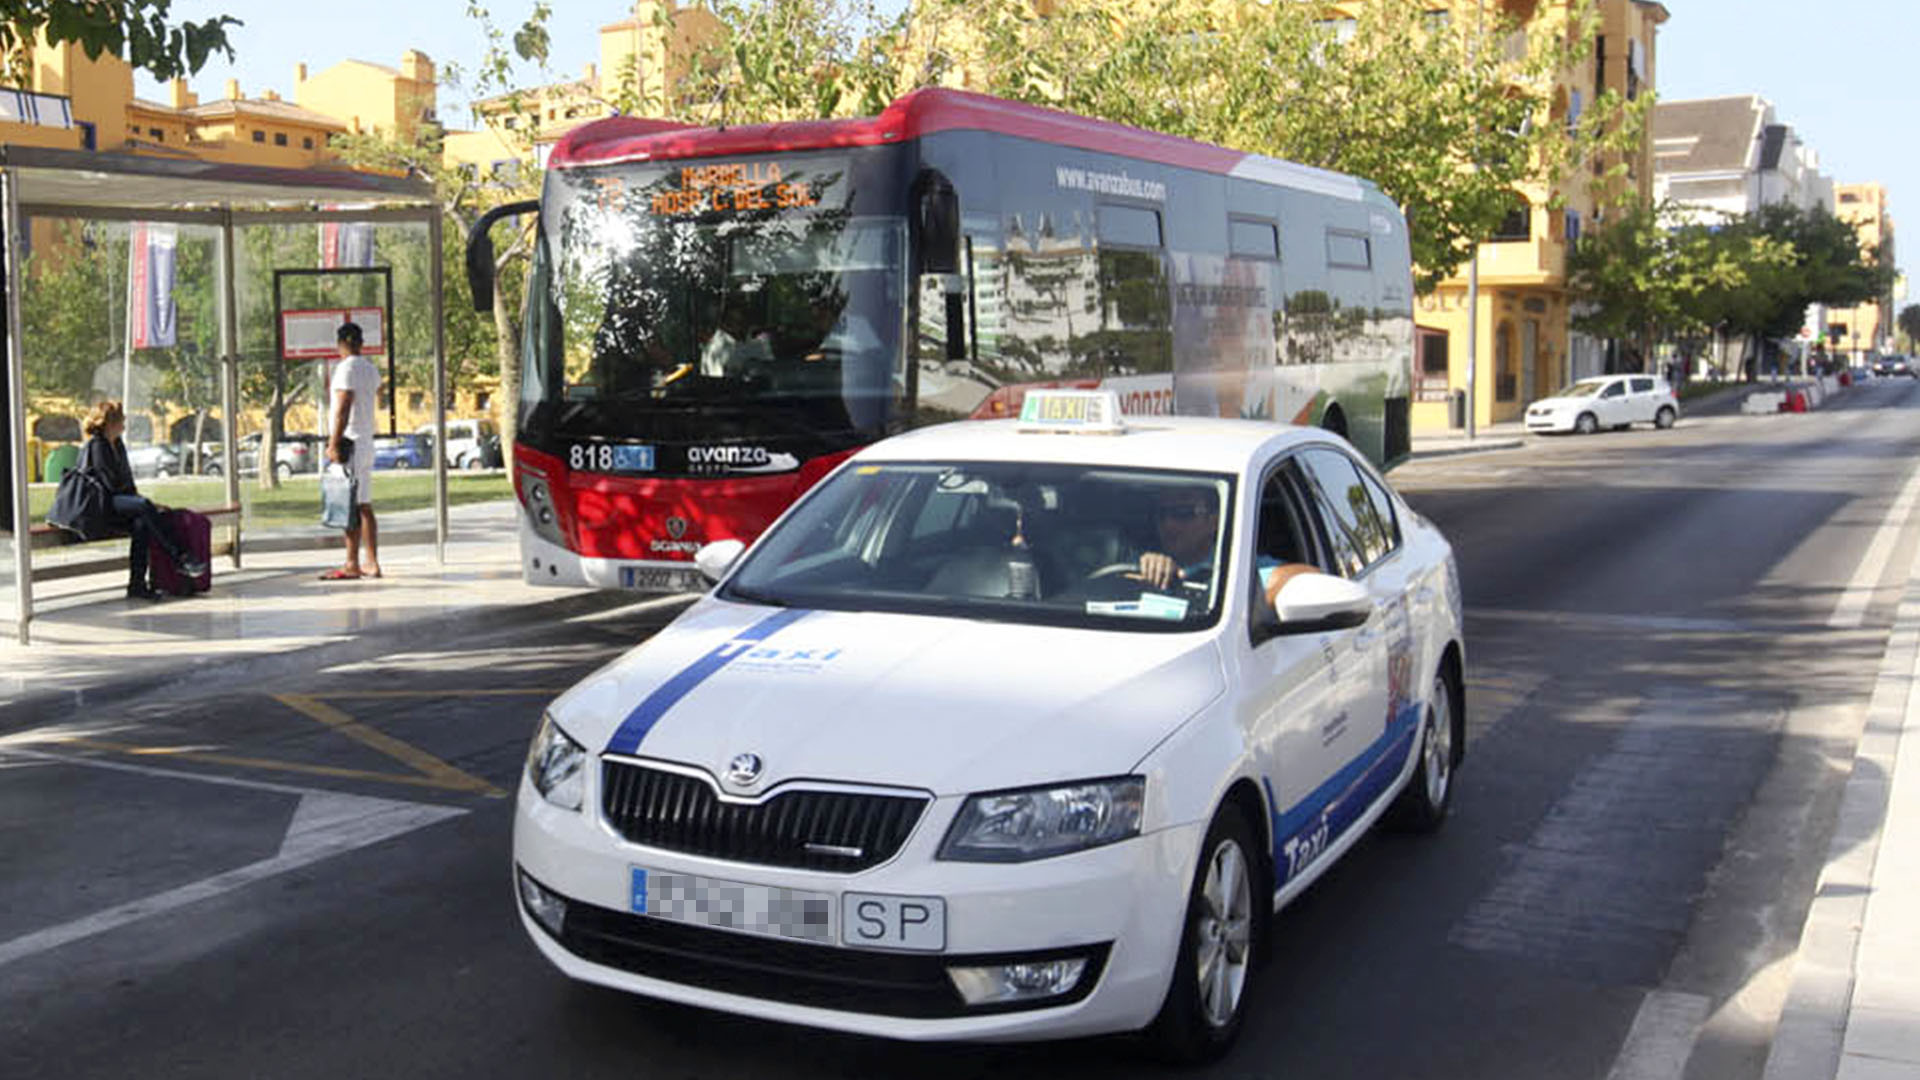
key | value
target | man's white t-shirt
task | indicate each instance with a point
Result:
(358, 374)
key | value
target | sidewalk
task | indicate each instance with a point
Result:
(1432, 444)
(91, 645)
(1853, 1011)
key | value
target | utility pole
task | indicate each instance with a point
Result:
(1473, 266)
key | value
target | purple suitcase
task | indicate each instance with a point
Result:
(194, 533)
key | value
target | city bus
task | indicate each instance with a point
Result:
(716, 317)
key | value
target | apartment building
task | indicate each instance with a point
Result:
(1524, 346)
(1859, 332)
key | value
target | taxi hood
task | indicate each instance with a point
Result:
(948, 705)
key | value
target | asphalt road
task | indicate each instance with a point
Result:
(1667, 676)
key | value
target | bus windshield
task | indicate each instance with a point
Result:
(716, 304)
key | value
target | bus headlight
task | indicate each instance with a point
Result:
(556, 766)
(540, 510)
(1039, 823)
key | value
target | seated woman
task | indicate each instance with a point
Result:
(106, 456)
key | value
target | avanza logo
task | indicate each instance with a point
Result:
(732, 456)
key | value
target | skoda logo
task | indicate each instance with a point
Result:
(676, 527)
(744, 769)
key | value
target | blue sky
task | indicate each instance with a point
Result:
(1836, 70)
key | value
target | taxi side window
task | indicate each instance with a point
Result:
(1283, 537)
(1614, 390)
(1642, 386)
(1383, 511)
(1354, 529)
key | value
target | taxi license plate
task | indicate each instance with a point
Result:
(655, 579)
(732, 905)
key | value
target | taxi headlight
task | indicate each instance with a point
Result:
(1039, 823)
(556, 766)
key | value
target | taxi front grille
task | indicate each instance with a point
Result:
(810, 830)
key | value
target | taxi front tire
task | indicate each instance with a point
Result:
(1228, 908)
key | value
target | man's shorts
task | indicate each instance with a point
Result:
(362, 469)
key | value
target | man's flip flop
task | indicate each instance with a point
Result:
(339, 575)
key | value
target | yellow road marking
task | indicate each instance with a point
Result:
(406, 753)
(206, 758)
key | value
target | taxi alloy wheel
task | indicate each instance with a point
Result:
(1586, 424)
(1663, 419)
(1422, 805)
(1207, 999)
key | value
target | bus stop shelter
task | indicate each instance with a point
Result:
(42, 183)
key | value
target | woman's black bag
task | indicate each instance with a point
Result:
(82, 505)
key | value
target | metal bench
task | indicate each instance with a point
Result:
(41, 537)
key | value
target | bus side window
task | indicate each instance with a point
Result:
(1136, 305)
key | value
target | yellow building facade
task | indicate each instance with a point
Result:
(1858, 332)
(1524, 348)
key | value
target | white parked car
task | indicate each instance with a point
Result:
(996, 734)
(1606, 401)
(471, 444)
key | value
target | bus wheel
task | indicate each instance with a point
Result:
(1334, 420)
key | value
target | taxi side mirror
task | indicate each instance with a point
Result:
(715, 559)
(1314, 604)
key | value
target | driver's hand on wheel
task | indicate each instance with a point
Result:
(1157, 570)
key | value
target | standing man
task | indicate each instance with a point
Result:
(356, 391)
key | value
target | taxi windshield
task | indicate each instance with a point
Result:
(1050, 544)
(1582, 389)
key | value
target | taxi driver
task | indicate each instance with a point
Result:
(1187, 522)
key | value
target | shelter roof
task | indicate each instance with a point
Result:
(127, 182)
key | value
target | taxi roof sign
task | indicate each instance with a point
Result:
(1087, 411)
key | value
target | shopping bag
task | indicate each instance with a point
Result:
(82, 505)
(337, 496)
(194, 535)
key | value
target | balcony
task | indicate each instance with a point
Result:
(39, 110)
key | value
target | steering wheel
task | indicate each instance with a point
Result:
(1114, 568)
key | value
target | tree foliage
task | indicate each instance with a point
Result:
(1909, 322)
(138, 31)
(1752, 275)
(1449, 119)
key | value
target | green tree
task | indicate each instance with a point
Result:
(138, 31)
(1909, 323)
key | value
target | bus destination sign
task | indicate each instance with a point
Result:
(733, 187)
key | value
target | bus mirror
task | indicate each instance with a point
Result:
(939, 226)
(480, 250)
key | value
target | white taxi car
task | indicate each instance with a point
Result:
(1612, 401)
(996, 734)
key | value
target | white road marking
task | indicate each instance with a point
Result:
(1851, 609)
(325, 824)
(1661, 1039)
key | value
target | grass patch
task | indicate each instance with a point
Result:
(297, 502)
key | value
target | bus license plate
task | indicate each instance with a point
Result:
(657, 579)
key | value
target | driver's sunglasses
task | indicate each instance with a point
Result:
(1183, 512)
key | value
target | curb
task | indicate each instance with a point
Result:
(1809, 1040)
(1478, 446)
(54, 706)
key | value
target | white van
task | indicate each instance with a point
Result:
(471, 444)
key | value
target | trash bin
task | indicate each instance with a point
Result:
(1457, 409)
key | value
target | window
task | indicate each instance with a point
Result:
(416, 401)
(88, 135)
(259, 136)
(1642, 386)
(1253, 239)
(157, 134)
(482, 401)
(1517, 225)
(1133, 226)
(1433, 353)
(306, 142)
(1599, 65)
(1614, 390)
(279, 138)
(1355, 532)
(1283, 535)
(1349, 250)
